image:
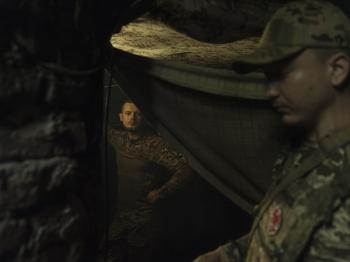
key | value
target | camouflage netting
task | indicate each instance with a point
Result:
(154, 39)
(217, 21)
(220, 21)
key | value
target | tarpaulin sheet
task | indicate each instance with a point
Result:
(220, 120)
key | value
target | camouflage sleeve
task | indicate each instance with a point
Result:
(225, 253)
(331, 241)
(175, 163)
(242, 244)
(230, 252)
(234, 251)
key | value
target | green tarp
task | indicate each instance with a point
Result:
(220, 120)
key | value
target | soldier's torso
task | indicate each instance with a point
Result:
(291, 216)
(137, 174)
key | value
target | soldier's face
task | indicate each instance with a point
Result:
(300, 89)
(130, 117)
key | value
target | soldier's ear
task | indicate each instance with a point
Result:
(339, 65)
(120, 117)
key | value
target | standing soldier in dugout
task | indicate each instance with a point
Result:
(305, 215)
(149, 174)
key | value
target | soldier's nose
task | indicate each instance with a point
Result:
(272, 89)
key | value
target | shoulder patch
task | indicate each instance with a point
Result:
(275, 220)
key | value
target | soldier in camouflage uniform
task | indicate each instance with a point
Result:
(149, 172)
(305, 216)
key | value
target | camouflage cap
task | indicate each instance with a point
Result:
(294, 27)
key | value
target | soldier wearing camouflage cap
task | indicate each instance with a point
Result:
(295, 27)
(305, 216)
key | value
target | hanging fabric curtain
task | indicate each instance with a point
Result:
(220, 120)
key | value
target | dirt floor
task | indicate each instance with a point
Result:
(154, 39)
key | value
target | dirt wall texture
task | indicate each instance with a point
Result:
(51, 70)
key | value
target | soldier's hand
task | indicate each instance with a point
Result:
(153, 196)
(212, 256)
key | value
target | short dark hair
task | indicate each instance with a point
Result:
(325, 53)
(126, 101)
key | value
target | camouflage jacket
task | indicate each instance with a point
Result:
(305, 216)
(158, 160)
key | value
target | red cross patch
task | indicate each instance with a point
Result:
(275, 220)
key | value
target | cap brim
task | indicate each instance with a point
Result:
(263, 56)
